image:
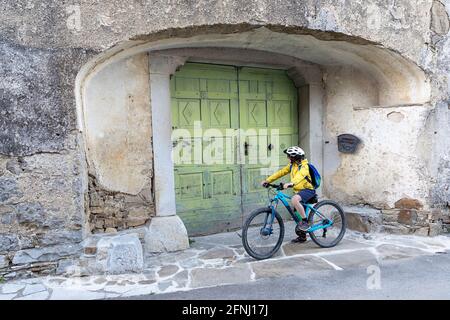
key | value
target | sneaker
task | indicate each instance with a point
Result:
(299, 239)
(303, 226)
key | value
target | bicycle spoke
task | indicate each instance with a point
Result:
(331, 235)
(262, 236)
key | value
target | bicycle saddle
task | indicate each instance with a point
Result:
(313, 200)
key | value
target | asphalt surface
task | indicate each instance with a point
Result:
(423, 277)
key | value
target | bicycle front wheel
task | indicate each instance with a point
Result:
(329, 213)
(262, 237)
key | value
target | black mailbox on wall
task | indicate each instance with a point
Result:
(347, 143)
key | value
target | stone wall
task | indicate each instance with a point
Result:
(41, 211)
(48, 204)
(114, 211)
(42, 167)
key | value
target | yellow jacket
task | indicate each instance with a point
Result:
(299, 173)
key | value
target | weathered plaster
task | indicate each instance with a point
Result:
(118, 125)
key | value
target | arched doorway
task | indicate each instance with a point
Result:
(364, 77)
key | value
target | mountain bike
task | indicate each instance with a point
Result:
(263, 231)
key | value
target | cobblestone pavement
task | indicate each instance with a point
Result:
(220, 259)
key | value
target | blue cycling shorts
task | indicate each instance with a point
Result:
(306, 194)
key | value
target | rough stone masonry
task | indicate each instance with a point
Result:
(64, 187)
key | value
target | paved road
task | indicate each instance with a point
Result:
(423, 277)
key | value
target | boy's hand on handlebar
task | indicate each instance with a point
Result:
(288, 185)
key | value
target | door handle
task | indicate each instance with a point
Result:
(270, 147)
(246, 145)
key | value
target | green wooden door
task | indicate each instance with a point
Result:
(216, 181)
(267, 101)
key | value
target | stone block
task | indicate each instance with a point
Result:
(389, 215)
(120, 254)
(96, 210)
(138, 212)
(356, 222)
(4, 261)
(363, 219)
(46, 254)
(31, 213)
(408, 203)
(99, 224)
(435, 229)
(8, 242)
(217, 253)
(134, 222)
(8, 189)
(408, 217)
(439, 18)
(424, 232)
(167, 270)
(395, 229)
(95, 200)
(110, 223)
(166, 234)
(56, 237)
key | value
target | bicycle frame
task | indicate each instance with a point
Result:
(280, 196)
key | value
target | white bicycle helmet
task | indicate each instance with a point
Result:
(295, 152)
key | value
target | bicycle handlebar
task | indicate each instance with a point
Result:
(276, 186)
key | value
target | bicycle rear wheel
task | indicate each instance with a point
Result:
(331, 212)
(260, 239)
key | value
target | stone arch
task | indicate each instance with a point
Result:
(393, 79)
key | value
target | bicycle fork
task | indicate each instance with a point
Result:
(268, 221)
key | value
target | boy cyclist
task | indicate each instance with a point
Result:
(300, 181)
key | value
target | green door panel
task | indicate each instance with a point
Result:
(267, 100)
(233, 105)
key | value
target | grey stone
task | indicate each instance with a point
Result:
(166, 234)
(54, 237)
(181, 278)
(206, 277)
(8, 218)
(33, 288)
(363, 218)
(217, 253)
(16, 165)
(435, 229)
(4, 261)
(48, 117)
(8, 242)
(439, 18)
(295, 266)
(395, 228)
(8, 189)
(65, 267)
(424, 231)
(11, 288)
(168, 270)
(46, 254)
(120, 254)
(31, 213)
(162, 286)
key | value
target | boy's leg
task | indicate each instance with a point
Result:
(302, 225)
(298, 206)
(306, 195)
